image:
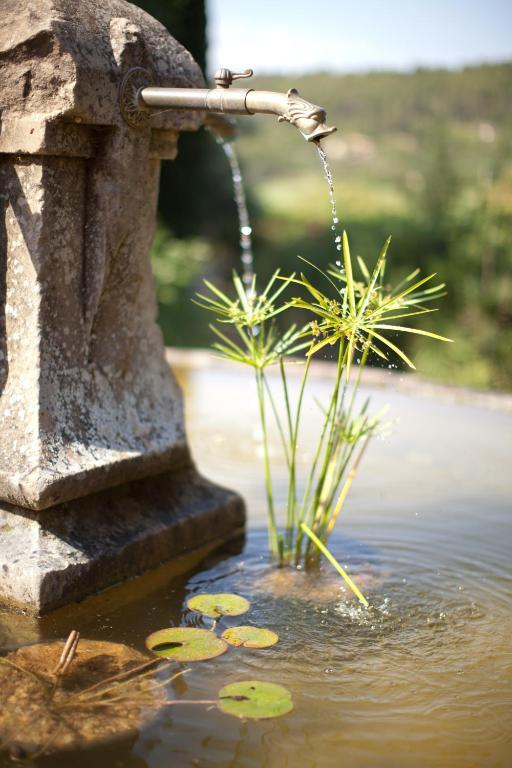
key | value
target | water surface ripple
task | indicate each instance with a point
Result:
(423, 678)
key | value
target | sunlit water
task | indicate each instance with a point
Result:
(422, 678)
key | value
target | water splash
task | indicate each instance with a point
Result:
(244, 224)
(332, 199)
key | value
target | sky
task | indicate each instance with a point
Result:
(342, 36)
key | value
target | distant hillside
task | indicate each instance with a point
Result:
(390, 101)
(424, 156)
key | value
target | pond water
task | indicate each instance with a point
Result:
(423, 678)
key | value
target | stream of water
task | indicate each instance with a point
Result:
(332, 199)
(244, 223)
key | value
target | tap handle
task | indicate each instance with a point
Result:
(224, 77)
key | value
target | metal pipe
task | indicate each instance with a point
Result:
(215, 100)
(137, 97)
(290, 107)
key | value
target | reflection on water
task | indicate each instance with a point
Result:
(422, 678)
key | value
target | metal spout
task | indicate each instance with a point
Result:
(291, 108)
(137, 101)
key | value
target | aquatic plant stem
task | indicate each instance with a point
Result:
(305, 509)
(323, 549)
(357, 379)
(291, 524)
(346, 487)
(292, 491)
(272, 531)
(330, 421)
(346, 458)
(277, 419)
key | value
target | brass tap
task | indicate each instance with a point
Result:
(224, 77)
(137, 100)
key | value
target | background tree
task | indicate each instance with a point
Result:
(198, 230)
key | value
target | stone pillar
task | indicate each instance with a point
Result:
(87, 400)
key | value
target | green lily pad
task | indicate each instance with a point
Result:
(219, 605)
(186, 644)
(250, 637)
(255, 700)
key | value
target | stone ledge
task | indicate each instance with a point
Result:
(48, 484)
(61, 555)
(400, 382)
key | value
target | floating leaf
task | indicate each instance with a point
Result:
(219, 605)
(250, 637)
(255, 699)
(185, 644)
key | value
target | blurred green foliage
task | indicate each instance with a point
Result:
(425, 156)
(196, 233)
(194, 188)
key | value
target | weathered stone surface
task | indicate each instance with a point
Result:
(65, 60)
(87, 400)
(53, 557)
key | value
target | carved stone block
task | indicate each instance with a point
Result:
(87, 400)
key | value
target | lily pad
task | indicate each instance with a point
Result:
(185, 644)
(255, 699)
(219, 605)
(250, 637)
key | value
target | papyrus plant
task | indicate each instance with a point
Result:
(356, 318)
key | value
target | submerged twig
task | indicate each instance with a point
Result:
(28, 672)
(68, 654)
(122, 675)
(96, 692)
